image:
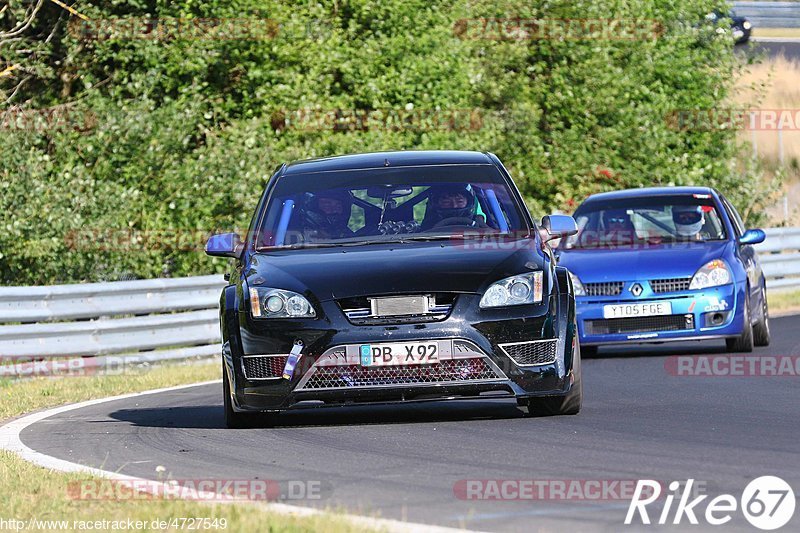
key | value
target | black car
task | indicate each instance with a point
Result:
(741, 28)
(396, 277)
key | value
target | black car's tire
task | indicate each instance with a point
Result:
(744, 342)
(761, 335)
(234, 420)
(568, 404)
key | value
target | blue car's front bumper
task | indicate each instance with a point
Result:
(696, 314)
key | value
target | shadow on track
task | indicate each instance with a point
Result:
(211, 417)
(619, 351)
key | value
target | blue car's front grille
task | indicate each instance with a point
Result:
(642, 324)
(606, 288)
(670, 285)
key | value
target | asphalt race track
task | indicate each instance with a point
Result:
(791, 49)
(403, 462)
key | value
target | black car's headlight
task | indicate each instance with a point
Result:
(278, 303)
(516, 290)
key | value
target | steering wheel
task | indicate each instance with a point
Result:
(454, 221)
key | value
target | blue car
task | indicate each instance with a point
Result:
(666, 264)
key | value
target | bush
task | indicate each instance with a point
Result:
(183, 134)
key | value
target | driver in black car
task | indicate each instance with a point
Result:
(452, 205)
(326, 215)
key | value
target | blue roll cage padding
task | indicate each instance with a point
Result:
(283, 223)
(496, 211)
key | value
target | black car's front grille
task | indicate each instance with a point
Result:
(264, 366)
(640, 324)
(670, 285)
(359, 311)
(354, 376)
(606, 288)
(533, 352)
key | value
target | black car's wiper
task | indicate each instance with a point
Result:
(434, 237)
(300, 245)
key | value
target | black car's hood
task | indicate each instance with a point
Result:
(347, 272)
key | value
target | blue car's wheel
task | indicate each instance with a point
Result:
(761, 329)
(744, 342)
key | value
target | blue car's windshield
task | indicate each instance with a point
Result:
(388, 205)
(647, 221)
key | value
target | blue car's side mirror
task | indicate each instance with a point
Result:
(753, 236)
(559, 226)
(225, 245)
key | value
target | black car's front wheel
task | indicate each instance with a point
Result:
(568, 404)
(234, 420)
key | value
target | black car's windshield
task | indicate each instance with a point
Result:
(647, 221)
(350, 208)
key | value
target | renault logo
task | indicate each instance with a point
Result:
(636, 289)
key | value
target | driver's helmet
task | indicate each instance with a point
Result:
(454, 200)
(329, 211)
(688, 219)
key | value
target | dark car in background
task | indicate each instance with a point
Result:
(396, 277)
(666, 264)
(741, 28)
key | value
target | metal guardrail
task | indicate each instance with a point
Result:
(52, 329)
(780, 258)
(770, 14)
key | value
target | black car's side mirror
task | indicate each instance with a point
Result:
(753, 236)
(225, 245)
(559, 226)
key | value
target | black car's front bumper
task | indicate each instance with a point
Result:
(484, 368)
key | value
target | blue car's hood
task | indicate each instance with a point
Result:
(653, 262)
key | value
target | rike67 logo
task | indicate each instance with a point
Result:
(767, 502)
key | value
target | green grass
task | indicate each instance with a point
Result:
(30, 492)
(776, 32)
(783, 301)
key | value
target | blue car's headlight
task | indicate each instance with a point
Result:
(712, 274)
(516, 290)
(278, 303)
(577, 286)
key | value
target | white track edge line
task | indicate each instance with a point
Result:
(10, 440)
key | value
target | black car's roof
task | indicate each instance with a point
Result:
(394, 159)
